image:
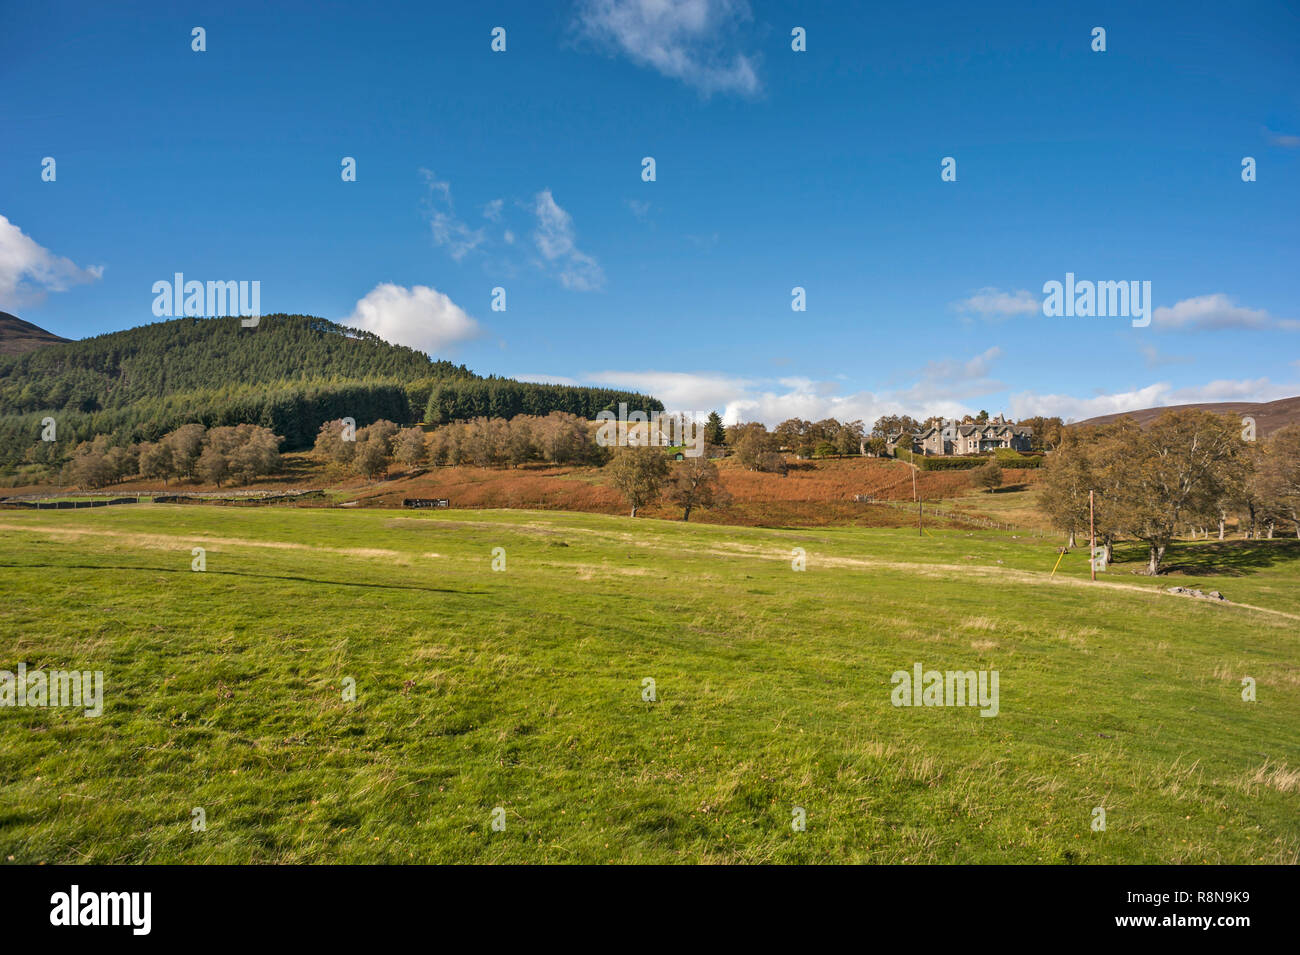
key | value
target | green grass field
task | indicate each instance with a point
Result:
(522, 689)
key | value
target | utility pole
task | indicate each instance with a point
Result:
(1092, 533)
(920, 525)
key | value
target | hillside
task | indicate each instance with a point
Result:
(291, 373)
(1269, 415)
(18, 336)
(192, 354)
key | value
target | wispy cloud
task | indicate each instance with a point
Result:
(419, 317)
(639, 207)
(1212, 312)
(1158, 395)
(969, 370)
(556, 240)
(449, 232)
(681, 39)
(28, 270)
(1283, 139)
(995, 303)
(944, 388)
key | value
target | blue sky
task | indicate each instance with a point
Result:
(774, 169)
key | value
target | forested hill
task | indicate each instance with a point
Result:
(290, 373)
(192, 354)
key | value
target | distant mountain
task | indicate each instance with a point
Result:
(17, 336)
(1269, 415)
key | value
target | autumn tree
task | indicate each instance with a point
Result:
(185, 444)
(772, 462)
(520, 441)
(213, 466)
(239, 453)
(1278, 482)
(409, 447)
(1182, 466)
(851, 438)
(564, 439)
(336, 443)
(695, 483)
(749, 440)
(156, 460)
(989, 475)
(89, 466)
(1045, 433)
(638, 474)
(891, 424)
(255, 453)
(374, 449)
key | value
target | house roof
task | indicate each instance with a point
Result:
(994, 427)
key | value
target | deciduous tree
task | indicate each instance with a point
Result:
(639, 474)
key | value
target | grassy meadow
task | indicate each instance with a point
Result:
(522, 689)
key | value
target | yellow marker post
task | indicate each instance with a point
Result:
(1058, 564)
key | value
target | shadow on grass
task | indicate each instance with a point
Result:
(238, 573)
(1235, 558)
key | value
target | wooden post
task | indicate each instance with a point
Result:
(1092, 533)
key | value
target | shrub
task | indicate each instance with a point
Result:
(948, 464)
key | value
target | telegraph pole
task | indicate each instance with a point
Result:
(1092, 533)
(920, 526)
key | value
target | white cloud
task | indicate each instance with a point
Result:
(492, 211)
(974, 368)
(954, 380)
(773, 401)
(419, 317)
(1208, 312)
(992, 302)
(556, 241)
(1158, 395)
(679, 38)
(1283, 139)
(448, 231)
(29, 270)
(678, 390)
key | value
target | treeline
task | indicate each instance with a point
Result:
(814, 439)
(237, 455)
(461, 400)
(295, 411)
(557, 438)
(1045, 432)
(1188, 471)
(290, 374)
